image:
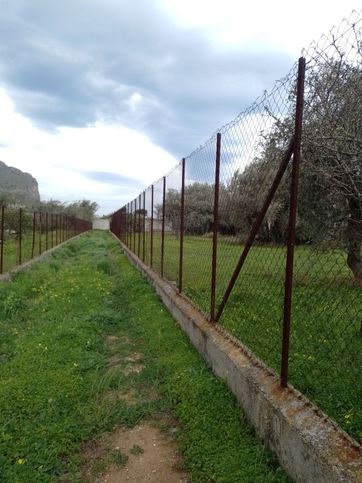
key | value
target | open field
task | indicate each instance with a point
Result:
(71, 328)
(326, 337)
(11, 248)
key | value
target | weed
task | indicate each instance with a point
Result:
(136, 450)
(118, 458)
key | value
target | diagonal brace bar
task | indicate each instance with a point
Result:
(276, 182)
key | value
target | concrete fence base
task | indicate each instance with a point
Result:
(310, 446)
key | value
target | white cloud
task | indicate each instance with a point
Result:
(193, 67)
(134, 100)
(262, 24)
(60, 160)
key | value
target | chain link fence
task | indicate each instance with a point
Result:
(224, 226)
(25, 235)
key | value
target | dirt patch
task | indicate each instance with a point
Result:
(113, 361)
(134, 368)
(156, 458)
(111, 341)
(135, 357)
(92, 450)
(125, 340)
(130, 397)
(150, 394)
(133, 364)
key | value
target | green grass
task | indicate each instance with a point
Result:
(11, 248)
(56, 392)
(326, 337)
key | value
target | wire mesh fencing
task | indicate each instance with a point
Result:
(326, 340)
(283, 277)
(25, 235)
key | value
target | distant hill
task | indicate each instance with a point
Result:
(18, 187)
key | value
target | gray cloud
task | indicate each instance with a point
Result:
(73, 63)
(112, 179)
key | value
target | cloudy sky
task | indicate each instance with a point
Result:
(98, 98)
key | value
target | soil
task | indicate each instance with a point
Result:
(114, 361)
(111, 340)
(148, 453)
(156, 459)
(129, 369)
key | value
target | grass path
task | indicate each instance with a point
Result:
(63, 325)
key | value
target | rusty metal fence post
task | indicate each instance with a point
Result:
(127, 219)
(124, 234)
(163, 225)
(134, 226)
(46, 231)
(215, 228)
(292, 223)
(144, 228)
(139, 227)
(40, 232)
(120, 221)
(2, 238)
(130, 224)
(20, 234)
(182, 222)
(51, 230)
(151, 238)
(33, 235)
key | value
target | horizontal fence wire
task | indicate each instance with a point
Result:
(25, 234)
(198, 216)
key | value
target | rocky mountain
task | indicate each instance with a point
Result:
(18, 187)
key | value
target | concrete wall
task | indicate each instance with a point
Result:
(309, 446)
(101, 224)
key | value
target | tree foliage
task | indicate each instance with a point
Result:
(330, 193)
(198, 208)
(84, 209)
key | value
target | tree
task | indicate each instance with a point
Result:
(84, 209)
(333, 148)
(330, 193)
(52, 206)
(198, 209)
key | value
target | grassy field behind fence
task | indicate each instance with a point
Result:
(57, 391)
(11, 248)
(326, 337)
